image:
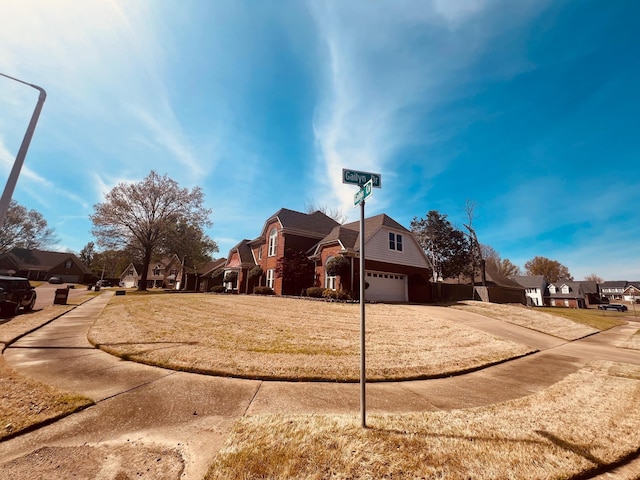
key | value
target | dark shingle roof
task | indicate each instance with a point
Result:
(209, 267)
(43, 260)
(316, 222)
(244, 252)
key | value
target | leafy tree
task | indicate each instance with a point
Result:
(112, 262)
(593, 278)
(87, 254)
(188, 240)
(338, 266)
(296, 270)
(24, 228)
(552, 270)
(446, 246)
(143, 216)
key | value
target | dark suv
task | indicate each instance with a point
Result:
(613, 306)
(16, 293)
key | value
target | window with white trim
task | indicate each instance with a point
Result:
(395, 241)
(565, 289)
(273, 237)
(260, 253)
(271, 277)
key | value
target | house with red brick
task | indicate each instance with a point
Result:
(285, 233)
(396, 267)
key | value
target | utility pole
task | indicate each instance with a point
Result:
(7, 194)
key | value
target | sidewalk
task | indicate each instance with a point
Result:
(176, 421)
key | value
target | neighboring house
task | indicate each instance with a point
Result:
(42, 265)
(207, 276)
(236, 269)
(165, 273)
(571, 294)
(613, 290)
(632, 292)
(283, 233)
(397, 270)
(535, 287)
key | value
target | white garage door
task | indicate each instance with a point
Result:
(386, 287)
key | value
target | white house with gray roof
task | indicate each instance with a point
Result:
(535, 287)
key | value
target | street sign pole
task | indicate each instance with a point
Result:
(363, 373)
(366, 181)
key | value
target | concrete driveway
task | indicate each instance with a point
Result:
(154, 423)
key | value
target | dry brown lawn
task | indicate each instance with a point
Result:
(25, 402)
(588, 420)
(533, 318)
(274, 337)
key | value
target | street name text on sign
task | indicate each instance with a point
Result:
(363, 193)
(356, 177)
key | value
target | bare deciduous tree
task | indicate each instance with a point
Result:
(24, 228)
(593, 278)
(335, 213)
(143, 215)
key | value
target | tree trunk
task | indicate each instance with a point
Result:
(142, 284)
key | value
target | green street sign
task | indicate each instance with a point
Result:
(363, 193)
(355, 177)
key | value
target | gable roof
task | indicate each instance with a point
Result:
(315, 224)
(614, 284)
(42, 260)
(576, 289)
(209, 267)
(371, 227)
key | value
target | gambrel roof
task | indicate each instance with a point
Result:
(315, 224)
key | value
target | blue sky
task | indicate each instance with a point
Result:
(528, 108)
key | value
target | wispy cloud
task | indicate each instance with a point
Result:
(388, 67)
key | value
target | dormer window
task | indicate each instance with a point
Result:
(273, 236)
(565, 289)
(552, 289)
(395, 241)
(67, 265)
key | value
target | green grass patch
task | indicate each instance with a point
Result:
(600, 319)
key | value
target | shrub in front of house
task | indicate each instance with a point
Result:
(330, 294)
(217, 289)
(315, 292)
(263, 291)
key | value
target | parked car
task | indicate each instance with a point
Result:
(55, 280)
(103, 283)
(16, 293)
(613, 306)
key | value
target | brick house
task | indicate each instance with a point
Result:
(397, 270)
(42, 265)
(284, 232)
(206, 276)
(571, 294)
